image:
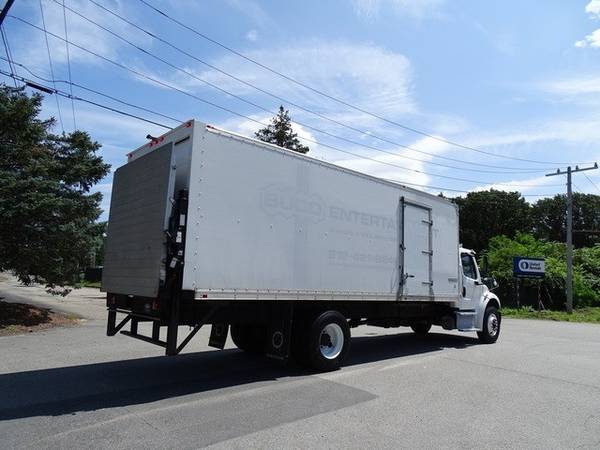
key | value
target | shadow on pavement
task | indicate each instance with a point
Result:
(66, 390)
(367, 349)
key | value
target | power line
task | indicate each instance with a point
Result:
(51, 67)
(50, 90)
(162, 60)
(338, 100)
(591, 182)
(458, 190)
(67, 95)
(310, 111)
(69, 64)
(4, 10)
(94, 91)
(8, 53)
(55, 91)
(162, 83)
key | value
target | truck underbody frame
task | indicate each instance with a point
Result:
(279, 317)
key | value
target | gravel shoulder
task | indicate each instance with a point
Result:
(84, 303)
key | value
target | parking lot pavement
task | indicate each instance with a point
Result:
(538, 387)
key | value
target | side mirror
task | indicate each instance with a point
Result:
(490, 282)
(485, 266)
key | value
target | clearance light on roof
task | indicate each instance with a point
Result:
(156, 141)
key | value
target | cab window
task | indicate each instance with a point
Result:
(468, 266)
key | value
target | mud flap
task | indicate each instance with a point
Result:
(280, 332)
(218, 335)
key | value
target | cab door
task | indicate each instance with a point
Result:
(471, 291)
(470, 280)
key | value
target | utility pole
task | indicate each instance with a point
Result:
(5, 9)
(569, 172)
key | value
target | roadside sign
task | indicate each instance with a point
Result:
(528, 267)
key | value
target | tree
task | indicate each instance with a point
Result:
(47, 213)
(486, 214)
(586, 274)
(279, 132)
(550, 218)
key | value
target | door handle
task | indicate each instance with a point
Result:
(464, 292)
(406, 276)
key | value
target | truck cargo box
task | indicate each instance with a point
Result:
(266, 223)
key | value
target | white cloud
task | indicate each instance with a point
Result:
(396, 166)
(31, 47)
(592, 39)
(573, 86)
(523, 186)
(593, 8)
(583, 130)
(417, 8)
(252, 35)
(362, 74)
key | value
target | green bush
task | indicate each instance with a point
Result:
(586, 271)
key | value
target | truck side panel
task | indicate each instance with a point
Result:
(264, 223)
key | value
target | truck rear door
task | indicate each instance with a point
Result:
(139, 212)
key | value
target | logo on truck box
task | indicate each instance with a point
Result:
(290, 202)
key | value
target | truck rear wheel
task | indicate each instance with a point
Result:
(491, 326)
(421, 327)
(250, 338)
(327, 341)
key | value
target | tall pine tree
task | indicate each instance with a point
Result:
(47, 212)
(279, 132)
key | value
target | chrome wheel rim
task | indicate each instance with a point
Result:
(493, 325)
(331, 341)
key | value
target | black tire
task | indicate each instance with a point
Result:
(491, 326)
(421, 328)
(250, 338)
(325, 351)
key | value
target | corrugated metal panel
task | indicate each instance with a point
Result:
(139, 213)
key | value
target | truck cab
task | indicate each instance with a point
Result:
(478, 305)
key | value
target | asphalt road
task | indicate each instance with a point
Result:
(538, 387)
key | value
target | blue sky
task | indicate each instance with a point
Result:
(514, 78)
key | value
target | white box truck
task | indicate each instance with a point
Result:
(284, 251)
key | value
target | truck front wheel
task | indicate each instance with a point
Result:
(491, 326)
(327, 341)
(250, 338)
